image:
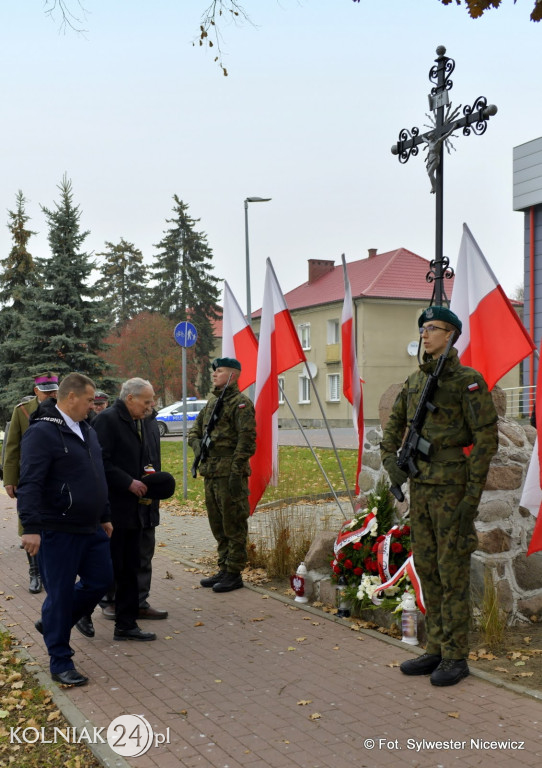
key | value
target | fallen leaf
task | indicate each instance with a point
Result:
(336, 648)
(519, 664)
(525, 674)
(304, 702)
(300, 639)
(292, 648)
(218, 681)
(168, 637)
(53, 716)
(501, 669)
(453, 714)
(393, 664)
(526, 640)
(199, 624)
(315, 716)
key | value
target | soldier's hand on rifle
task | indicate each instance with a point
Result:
(397, 475)
(236, 486)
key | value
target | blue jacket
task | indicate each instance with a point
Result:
(62, 485)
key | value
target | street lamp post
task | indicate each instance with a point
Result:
(247, 201)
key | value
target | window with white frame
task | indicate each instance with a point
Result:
(333, 387)
(304, 389)
(304, 333)
(281, 390)
(333, 330)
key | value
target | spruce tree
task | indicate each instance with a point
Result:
(63, 325)
(123, 283)
(185, 287)
(19, 276)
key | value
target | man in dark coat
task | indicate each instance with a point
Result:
(64, 511)
(129, 449)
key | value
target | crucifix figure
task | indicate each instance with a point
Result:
(444, 123)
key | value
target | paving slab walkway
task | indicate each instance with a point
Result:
(251, 680)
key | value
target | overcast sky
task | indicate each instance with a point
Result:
(316, 95)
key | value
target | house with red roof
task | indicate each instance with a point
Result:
(389, 292)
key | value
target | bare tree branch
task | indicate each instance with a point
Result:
(211, 21)
(68, 19)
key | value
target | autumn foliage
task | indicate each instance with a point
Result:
(146, 347)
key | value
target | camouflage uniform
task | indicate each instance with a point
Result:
(442, 540)
(233, 442)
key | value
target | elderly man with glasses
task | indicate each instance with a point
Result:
(445, 494)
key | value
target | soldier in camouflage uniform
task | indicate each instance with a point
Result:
(45, 385)
(226, 470)
(444, 496)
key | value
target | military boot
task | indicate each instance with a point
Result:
(35, 584)
(229, 582)
(210, 581)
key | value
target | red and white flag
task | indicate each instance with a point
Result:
(494, 339)
(351, 379)
(531, 497)
(278, 350)
(238, 339)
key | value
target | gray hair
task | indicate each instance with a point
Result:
(134, 387)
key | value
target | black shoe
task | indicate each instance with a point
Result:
(450, 672)
(133, 634)
(70, 677)
(422, 665)
(85, 626)
(210, 581)
(35, 584)
(39, 626)
(228, 583)
(152, 613)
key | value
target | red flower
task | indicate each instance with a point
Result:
(396, 547)
(367, 563)
(397, 533)
(380, 538)
(341, 556)
(357, 545)
(374, 566)
(348, 564)
(358, 571)
(392, 568)
(336, 569)
(374, 548)
(405, 530)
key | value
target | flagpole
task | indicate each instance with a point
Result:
(330, 436)
(312, 450)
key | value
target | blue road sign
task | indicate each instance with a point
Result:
(185, 334)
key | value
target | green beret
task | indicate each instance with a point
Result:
(440, 313)
(225, 362)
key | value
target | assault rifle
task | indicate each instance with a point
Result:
(213, 421)
(414, 445)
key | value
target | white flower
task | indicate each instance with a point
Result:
(374, 510)
(374, 529)
(390, 591)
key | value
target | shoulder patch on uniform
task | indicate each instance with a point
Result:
(242, 405)
(473, 387)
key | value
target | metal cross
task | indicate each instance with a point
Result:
(445, 123)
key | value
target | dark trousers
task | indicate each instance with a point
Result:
(125, 556)
(147, 543)
(62, 557)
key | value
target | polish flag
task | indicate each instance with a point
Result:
(531, 497)
(238, 339)
(494, 339)
(351, 378)
(278, 350)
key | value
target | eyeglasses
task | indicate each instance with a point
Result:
(430, 329)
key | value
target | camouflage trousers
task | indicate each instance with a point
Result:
(443, 569)
(228, 520)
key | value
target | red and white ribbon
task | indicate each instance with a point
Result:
(347, 536)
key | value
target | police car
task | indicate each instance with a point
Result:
(170, 419)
